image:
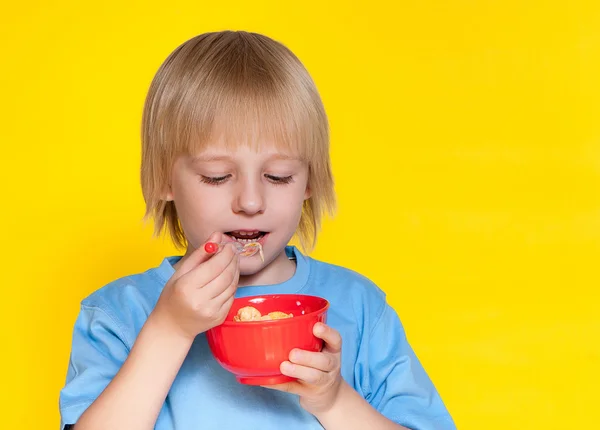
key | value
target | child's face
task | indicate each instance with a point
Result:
(247, 194)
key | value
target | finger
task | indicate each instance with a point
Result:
(332, 338)
(225, 307)
(197, 257)
(293, 387)
(317, 360)
(211, 269)
(221, 282)
(229, 292)
(305, 374)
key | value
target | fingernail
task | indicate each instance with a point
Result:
(286, 367)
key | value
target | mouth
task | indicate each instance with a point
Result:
(247, 236)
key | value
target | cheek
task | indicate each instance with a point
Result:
(287, 202)
(199, 220)
(196, 203)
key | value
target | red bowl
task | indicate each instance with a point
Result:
(254, 350)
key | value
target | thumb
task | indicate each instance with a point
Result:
(197, 257)
(292, 387)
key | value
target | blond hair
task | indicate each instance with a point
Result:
(239, 87)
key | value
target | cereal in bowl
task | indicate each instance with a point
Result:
(250, 313)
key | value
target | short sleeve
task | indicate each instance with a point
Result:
(397, 385)
(98, 350)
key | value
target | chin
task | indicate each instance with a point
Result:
(251, 267)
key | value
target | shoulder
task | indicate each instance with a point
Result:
(348, 289)
(125, 302)
(122, 290)
(354, 282)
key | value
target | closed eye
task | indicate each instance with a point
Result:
(214, 180)
(279, 180)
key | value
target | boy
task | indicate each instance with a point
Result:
(236, 148)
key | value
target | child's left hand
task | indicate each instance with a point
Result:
(319, 378)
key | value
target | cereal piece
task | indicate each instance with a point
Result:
(251, 249)
(248, 313)
(279, 315)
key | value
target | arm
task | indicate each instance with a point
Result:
(133, 399)
(324, 393)
(363, 415)
(110, 387)
(394, 381)
(397, 392)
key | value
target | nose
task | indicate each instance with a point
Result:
(249, 197)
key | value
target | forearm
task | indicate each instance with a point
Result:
(134, 397)
(352, 412)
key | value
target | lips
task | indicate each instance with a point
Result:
(247, 236)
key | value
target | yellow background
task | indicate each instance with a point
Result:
(466, 147)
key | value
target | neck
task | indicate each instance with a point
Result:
(277, 271)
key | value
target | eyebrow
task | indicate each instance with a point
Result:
(210, 157)
(215, 157)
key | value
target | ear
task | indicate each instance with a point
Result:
(307, 193)
(168, 194)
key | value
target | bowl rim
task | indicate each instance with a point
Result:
(282, 320)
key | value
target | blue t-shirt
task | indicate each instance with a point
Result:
(376, 357)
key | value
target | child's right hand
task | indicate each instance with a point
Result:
(200, 293)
